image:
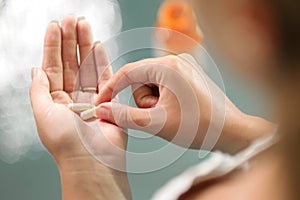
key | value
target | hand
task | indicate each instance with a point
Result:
(62, 131)
(178, 102)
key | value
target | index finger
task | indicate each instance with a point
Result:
(144, 71)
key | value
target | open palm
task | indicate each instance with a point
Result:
(62, 81)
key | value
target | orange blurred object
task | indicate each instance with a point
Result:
(178, 15)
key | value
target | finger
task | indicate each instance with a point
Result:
(144, 71)
(52, 62)
(144, 96)
(104, 69)
(39, 92)
(88, 74)
(124, 116)
(69, 52)
(85, 38)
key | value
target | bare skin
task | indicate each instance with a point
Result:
(82, 176)
(239, 128)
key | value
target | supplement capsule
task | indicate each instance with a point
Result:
(79, 107)
(88, 114)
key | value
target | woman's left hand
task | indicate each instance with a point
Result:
(81, 149)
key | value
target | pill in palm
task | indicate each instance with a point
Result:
(79, 107)
(88, 114)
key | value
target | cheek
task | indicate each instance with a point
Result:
(244, 47)
(236, 38)
(209, 13)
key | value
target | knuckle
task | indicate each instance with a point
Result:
(53, 69)
(172, 61)
(171, 58)
(124, 71)
(188, 58)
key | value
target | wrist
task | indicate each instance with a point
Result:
(241, 130)
(87, 178)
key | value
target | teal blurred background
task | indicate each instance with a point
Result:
(39, 179)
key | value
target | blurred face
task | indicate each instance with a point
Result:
(241, 32)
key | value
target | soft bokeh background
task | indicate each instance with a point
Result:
(35, 175)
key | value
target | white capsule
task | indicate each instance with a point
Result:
(79, 107)
(88, 114)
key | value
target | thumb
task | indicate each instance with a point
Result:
(150, 120)
(39, 91)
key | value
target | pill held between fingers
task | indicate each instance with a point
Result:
(88, 114)
(79, 107)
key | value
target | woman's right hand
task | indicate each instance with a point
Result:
(174, 96)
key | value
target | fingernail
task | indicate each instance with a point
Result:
(97, 43)
(54, 21)
(103, 113)
(80, 18)
(34, 72)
